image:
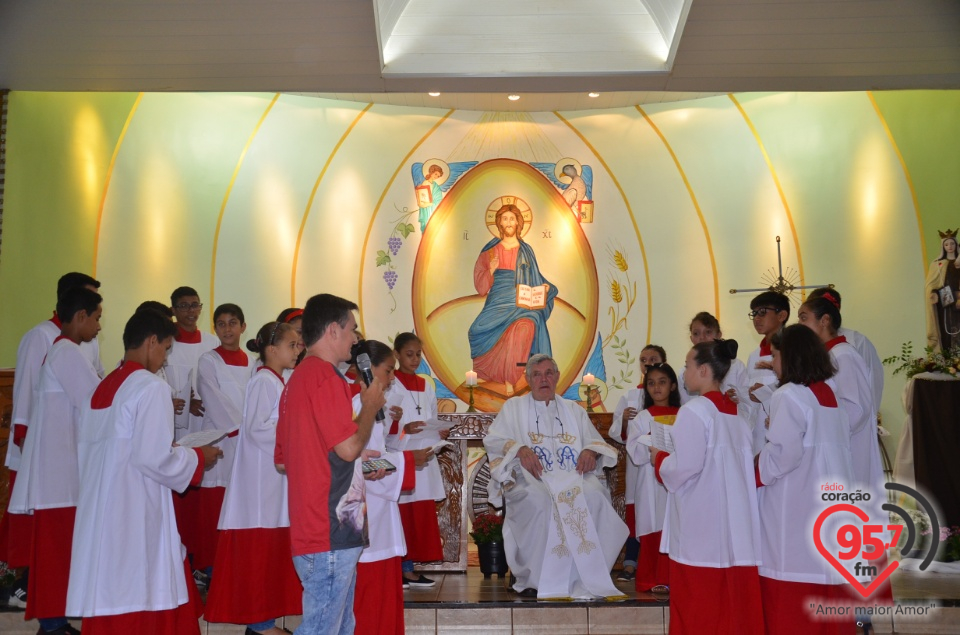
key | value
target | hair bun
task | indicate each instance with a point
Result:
(727, 348)
(252, 346)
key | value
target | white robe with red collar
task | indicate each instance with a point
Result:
(48, 476)
(222, 388)
(181, 374)
(127, 555)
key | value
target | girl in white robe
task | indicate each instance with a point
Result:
(661, 402)
(222, 376)
(378, 599)
(711, 529)
(256, 582)
(418, 509)
(704, 327)
(625, 412)
(808, 445)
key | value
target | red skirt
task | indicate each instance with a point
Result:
(786, 608)
(653, 567)
(50, 562)
(254, 577)
(16, 534)
(717, 601)
(186, 508)
(421, 529)
(183, 620)
(211, 500)
(378, 598)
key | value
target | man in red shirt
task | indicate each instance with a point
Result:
(318, 443)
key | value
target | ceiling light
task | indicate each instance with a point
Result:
(434, 94)
(593, 94)
(513, 97)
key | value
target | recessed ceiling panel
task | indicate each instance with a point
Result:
(532, 37)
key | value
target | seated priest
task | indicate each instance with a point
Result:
(561, 533)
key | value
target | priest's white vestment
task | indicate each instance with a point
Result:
(561, 533)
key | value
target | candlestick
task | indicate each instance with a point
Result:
(590, 395)
(471, 408)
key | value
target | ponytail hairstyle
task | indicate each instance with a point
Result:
(822, 293)
(268, 335)
(665, 368)
(803, 357)
(718, 355)
(827, 304)
(378, 352)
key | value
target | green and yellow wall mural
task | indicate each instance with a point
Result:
(628, 221)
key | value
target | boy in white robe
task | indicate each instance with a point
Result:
(190, 342)
(769, 312)
(222, 377)
(16, 529)
(561, 533)
(128, 571)
(47, 486)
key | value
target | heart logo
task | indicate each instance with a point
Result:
(866, 592)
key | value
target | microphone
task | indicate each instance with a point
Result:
(363, 365)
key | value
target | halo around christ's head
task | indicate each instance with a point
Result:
(429, 163)
(494, 207)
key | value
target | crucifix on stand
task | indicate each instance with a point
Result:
(785, 285)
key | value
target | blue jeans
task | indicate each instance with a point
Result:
(328, 580)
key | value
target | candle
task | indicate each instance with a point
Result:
(471, 378)
(588, 379)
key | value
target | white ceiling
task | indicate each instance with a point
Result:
(532, 37)
(333, 47)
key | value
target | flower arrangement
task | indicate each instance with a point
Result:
(950, 539)
(933, 362)
(487, 527)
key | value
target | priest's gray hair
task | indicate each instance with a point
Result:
(539, 358)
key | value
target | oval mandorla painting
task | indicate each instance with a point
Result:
(503, 271)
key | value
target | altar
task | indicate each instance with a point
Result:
(465, 485)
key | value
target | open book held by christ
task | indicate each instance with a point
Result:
(532, 297)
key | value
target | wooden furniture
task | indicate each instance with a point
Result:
(467, 493)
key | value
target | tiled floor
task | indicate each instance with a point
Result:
(468, 603)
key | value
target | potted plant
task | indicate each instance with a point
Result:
(488, 534)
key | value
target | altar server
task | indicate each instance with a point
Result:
(255, 581)
(378, 599)
(808, 445)
(769, 312)
(16, 529)
(660, 403)
(626, 410)
(48, 483)
(222, 376)
(190, 342)
(712, 526)
(863, 345)
(418, 508)
(704, 327)
(822, 316)
(128, 572)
